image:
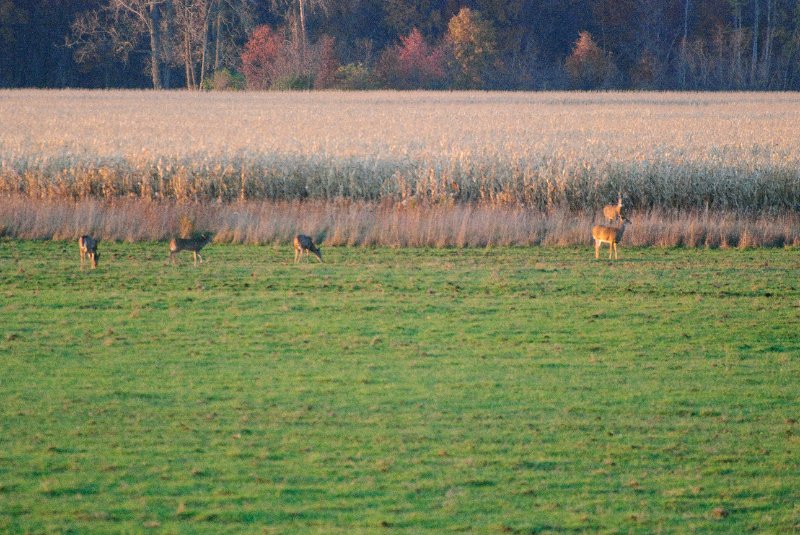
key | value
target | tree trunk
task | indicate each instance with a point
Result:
(736, 75)
(754, 56)
(302, 31)
(685, 21)
(766, 50)
(206, 29)
(684, 45)
(203, 55)
(155, 45)
(187, 60)
(217, 41)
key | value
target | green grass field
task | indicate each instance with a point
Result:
(519, 390)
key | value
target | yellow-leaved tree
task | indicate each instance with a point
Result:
(473, 44)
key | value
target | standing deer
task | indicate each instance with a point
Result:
(612, 212)
(194, 245)
(303, 243)
(610, 235)
(88, 247)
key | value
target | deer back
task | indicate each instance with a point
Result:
(609, 234)
(301, 241)
(87, 244)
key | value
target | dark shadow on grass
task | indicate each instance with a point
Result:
(83, 490)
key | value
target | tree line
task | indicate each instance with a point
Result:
(404, 44)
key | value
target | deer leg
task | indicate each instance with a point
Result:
(200, 257)
(596, 249)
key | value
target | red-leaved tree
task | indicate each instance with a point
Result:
(325, 63)
(413, 64)
(261, 57)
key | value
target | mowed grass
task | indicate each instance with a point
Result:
(517, 390)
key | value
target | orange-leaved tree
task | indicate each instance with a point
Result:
(589, 67)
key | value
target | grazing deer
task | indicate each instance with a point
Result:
(194, 245)
(610, 235)
(88, 247)
(303, 243)
(613, 211)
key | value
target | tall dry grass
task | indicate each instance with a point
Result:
(735, 152)
(387, 224)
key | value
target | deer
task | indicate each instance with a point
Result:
(612, 212)
(303, 243)
(610, 235)
(88, 248)
(194, 245)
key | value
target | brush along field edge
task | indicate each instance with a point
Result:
(385, 224)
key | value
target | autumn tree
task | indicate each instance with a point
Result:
(261, 57)
(660, 44)
(413, 64)
(646, 73)
(297, 12)
(588, 66)
(472, 42)
(272, 59)
(326, 63)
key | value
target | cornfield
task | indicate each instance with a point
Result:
(736, 151)
(480, 168)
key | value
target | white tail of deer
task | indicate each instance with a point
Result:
(88, 248)
(612, 212)
(610, 235)
(304, 244)
(191, 244)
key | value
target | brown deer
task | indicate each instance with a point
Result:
(303, 243)
(194, 245)
(610, 235)
(612, 212)
(88, 248)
